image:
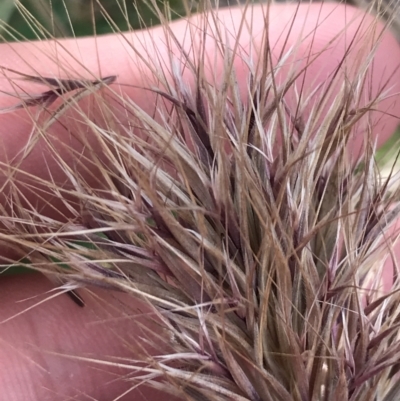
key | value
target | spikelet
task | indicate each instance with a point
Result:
(386, 10)
(242, 220)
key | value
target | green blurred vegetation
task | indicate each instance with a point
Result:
(66, 18)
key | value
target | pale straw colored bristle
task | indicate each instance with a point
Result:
(386, 10)
(241, 220)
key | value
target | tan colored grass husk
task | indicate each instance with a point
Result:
(262, 263)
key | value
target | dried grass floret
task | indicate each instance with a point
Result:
(245, 224)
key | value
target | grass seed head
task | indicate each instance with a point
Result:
(238, 216)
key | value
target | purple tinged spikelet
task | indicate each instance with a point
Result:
(259, 246)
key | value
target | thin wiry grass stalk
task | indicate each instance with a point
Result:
(243, 221)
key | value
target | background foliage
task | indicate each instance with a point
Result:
(66, 18)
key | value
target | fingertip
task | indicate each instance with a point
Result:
(57, 350)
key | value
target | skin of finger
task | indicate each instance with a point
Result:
(114, 55)
(39, 348)
(96, 56)
(318, 26)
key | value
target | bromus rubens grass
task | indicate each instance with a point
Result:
(243, 204)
